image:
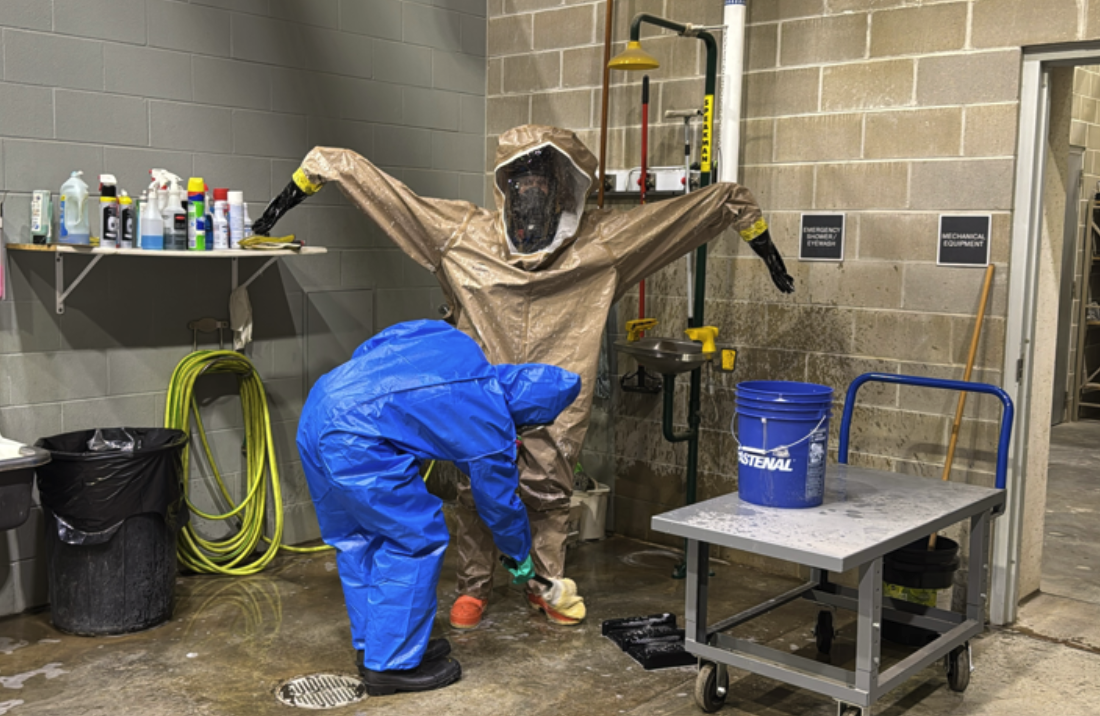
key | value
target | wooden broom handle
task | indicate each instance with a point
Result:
(966, 377)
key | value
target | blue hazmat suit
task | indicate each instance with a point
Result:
(416, 391)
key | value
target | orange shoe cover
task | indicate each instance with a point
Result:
(466, 612)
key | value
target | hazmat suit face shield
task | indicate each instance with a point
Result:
(537, 393)
(543, 194)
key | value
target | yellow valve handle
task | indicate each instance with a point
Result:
(635, 328)
(705, 335)
(729, 359)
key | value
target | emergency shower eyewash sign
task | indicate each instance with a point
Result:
(964, 240)
(821, 238)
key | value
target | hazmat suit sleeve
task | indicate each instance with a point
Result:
(494, 480)
(420, 227)
(650, 237)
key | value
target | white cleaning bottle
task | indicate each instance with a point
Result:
(236, 219)
(110, 223)
(74, 224)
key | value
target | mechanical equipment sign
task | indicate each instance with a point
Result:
(964, 240)
(822, 237)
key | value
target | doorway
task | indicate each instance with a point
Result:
(1048, 487)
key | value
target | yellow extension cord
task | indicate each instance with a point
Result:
(236, 555)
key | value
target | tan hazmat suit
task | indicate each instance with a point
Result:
(546, 307)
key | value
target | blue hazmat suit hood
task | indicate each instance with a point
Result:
(537, 393)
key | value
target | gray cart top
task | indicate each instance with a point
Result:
(866, 514)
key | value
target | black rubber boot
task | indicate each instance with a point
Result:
(437, 649)
(426, 677)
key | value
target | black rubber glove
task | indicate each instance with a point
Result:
(766, 250)
(291, 197)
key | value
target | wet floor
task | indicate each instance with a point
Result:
(234, 640)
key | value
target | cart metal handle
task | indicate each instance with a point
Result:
(1006, 415)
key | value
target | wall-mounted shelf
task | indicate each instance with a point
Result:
(97, 254)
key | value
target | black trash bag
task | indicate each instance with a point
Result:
(92, 490)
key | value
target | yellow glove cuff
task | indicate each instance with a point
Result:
(755, 230)
(304, 183)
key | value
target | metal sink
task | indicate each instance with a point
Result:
(666, 355)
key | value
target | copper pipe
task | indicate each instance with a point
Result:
(606, 90)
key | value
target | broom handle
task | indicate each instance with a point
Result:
(966, 377)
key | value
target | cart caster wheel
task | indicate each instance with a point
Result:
(824, 632)
(851, 711)
(707, 695)
(958, 668)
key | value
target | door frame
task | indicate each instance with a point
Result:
(1023, 281)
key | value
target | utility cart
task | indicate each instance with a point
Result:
(866, 515)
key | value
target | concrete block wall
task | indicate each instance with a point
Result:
(236, 93)
(1084, 132)
(887, 110)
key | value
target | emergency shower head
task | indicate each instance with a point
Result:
(634, 58)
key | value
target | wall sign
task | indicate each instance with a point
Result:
(822, 237)
(964, 240)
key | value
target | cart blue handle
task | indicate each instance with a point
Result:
(1006, 415)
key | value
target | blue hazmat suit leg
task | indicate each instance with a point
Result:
(391, 536)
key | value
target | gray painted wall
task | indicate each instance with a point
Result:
(236, 92)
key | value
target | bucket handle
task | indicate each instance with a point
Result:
(765, 451)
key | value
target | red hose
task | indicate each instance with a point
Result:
(645, 175)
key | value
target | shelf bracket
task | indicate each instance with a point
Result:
(60, 291)
(253, 277)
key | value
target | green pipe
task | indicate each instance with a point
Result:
(707, 176)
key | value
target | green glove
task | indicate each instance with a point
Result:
(522, 573)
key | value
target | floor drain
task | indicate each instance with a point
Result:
(321, 691)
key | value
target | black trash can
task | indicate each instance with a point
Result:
(915, 567)
(114, 504)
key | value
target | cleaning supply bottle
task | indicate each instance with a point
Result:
(196, 214)
(175, 228)
(221, 219)
(74, 227)
(208, 217)
(126, 221)
(41, 217)
(236, 219)
(152, 226)
(247, 223)
(108, 211)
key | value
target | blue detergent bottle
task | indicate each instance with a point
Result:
(74, 224)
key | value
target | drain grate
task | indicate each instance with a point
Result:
(321, 691)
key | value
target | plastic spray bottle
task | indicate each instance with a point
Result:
(152, 225)
(126, 221)
(74, 226)
(196, 214)
(247, 223)
(221, 219)
(109, 228)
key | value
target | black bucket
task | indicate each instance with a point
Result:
(112, 517)
(914, 566)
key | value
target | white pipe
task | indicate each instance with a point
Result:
(733, 68)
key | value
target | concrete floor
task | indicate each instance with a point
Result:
(232, 641)
(1071, 545)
